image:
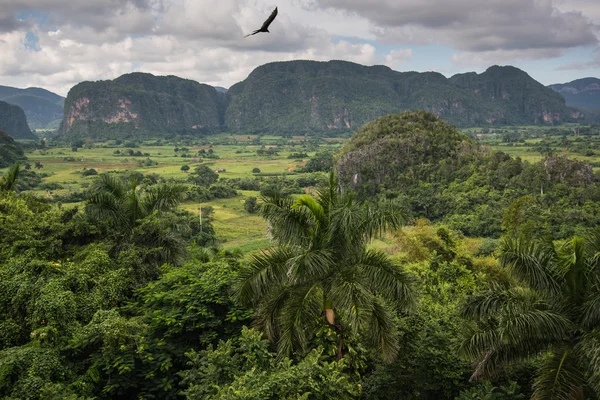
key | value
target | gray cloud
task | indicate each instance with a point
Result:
(487, 25)
(203, 39)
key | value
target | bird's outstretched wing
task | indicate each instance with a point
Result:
(265, 26)
(253, 33)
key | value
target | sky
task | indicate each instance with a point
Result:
(56, 44)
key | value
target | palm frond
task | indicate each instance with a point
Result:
(387, 279)
(308, 202)
(345, 227)
(588, 352)
(109, 183)
(299, 318)
(351, 300)
(590, 317)
(530, 262)
(104, 206)
(492, 355)
(163, 197)
(559, 377)
(309, 266)
(289, 227)
(491, 302)
(535, 325)
(268, 312)
(382, 330)
(265, 270)
(572, 266)
(386, 216)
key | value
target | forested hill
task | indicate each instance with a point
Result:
(14, 122)
(306, 96)
(141, 104)
(43, 108)
(10, 151)
(583, 93)
(337, 95)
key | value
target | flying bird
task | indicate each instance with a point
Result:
(265, 25)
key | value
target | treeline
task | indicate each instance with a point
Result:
(125, 298)
(440, 174)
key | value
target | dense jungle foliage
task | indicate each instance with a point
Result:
(10, 151)
(125, 295)
(440, 174)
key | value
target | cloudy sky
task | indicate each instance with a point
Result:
(57, 43)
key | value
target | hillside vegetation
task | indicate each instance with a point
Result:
(292, 97)
(337, 95)
(114, 284)
(43, 108)
(14, 122)
(10, 151)
(440, 174)
(140, 104)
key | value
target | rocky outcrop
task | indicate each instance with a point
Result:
(141, 105)
(14, 122)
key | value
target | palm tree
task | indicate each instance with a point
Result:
(123, 204)
(551, 313)
(10, 179)
(323, 271)
(130, 211)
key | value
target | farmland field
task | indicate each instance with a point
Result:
(237, 157)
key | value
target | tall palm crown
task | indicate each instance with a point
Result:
(322, 271)
(122, 204)
(552, 312)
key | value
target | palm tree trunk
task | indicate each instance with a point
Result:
(330, 317)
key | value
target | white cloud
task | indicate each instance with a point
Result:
(395, 58)
(203, 39)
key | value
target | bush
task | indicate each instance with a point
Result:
(220, 191)
(251, 205)
(248, 184)
(89, 172)
(487, 247)
(256, 170)
(185, 168)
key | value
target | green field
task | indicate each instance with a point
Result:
(237, 156)
(234, 227)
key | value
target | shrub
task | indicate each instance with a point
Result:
(251, 205)
(89, 172)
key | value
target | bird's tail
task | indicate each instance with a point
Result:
(253, 33)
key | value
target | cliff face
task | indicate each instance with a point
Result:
(43, 108)
(337, 95)
(141, 105)
(14, 122)
(305, 96)
(583, 93)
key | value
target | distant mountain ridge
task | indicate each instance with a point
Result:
(306, 96)
(141, 104)
(334, 95)
(43, 108)
(14, 122)
(583, 93)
